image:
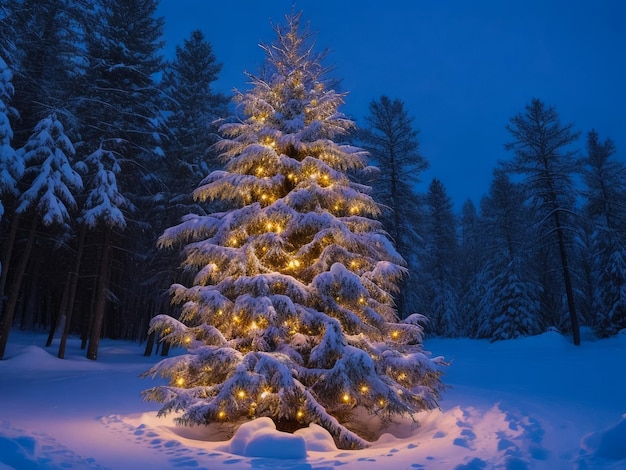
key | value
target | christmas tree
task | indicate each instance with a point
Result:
(290, 312)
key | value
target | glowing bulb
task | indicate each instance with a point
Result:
(253, 325)
(180, 381)
(395, 334)
(381, 402)
(265, 394)
(233, 241)
(345, 397)
(187, 339)
(263, 197)
(221, 415)
(236, 319)
(361, 300)
(269, 226)
(364, 389)
(241, 394)
(299, 414)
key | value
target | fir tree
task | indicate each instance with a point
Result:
(289, 312)
(504, 296)
(605, 189)
(438, 277)
(547, 165)
(11, 163)
(47, 199)
(193, 108)
(392, 144)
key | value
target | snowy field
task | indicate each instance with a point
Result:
(534, 403)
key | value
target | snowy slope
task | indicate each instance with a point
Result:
(537, 402)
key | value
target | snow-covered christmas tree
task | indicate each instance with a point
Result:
(289, 311)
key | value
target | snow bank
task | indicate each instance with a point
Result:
(259, 438)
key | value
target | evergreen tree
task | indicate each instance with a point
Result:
(193, 108)
(392, 144)
(438, 285)
(505, 295)
(605, 189)
(289, 312)
(120, 113)
(11, 163)
(542, 157)
(51, 180)
(47, 57)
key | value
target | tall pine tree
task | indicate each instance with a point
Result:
(392, 144)
(287, 307)
(547, 165)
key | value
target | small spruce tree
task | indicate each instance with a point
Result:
(289, 313)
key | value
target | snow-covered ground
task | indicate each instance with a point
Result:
(537, 402)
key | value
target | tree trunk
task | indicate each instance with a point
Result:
(67, 307)
(149, 344)
(101, 297)
(7, 318)
(568, 283)
(6, 256)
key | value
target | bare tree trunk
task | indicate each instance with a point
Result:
(7, 318)
(101, 297)
(67, 308)
(6, 256)
(568, 282)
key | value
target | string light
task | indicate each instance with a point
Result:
(346, 397)
(241, 394)
(221, 414)
(300, 414)
(364, 388)
(180, 381)
(395, 334)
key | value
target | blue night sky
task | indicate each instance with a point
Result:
(463, 68)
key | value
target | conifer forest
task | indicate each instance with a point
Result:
(266, 232)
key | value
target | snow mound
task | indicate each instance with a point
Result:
(259, 438)
(317, 438)
(609, 445)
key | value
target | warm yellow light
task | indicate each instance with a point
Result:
(265, 394)
(220, 312)
(233, 241)
(290, 176)
(259, 170)
(263, 197)
(180, 381)
(253, 325)
(187, 339)
(236, 319)
(241, 394)
(221, 415)
(354, 264)
(395, 334)
(345, 397)
(381, 402)
(361, 300)
(299, 414)
(268, 226)
(278, 229)
(364, 388)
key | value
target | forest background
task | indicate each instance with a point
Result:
(102, 142)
